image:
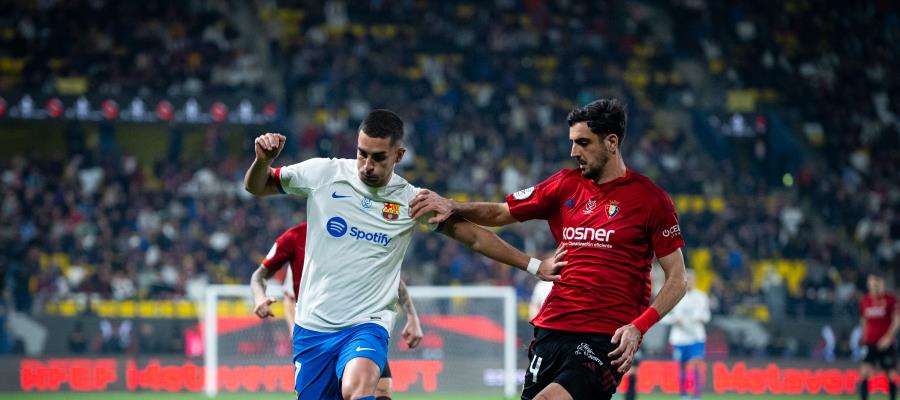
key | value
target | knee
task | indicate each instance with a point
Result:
(355, 393)
(382, 392)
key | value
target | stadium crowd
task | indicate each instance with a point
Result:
(805, 174)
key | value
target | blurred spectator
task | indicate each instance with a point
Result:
(792, 124)
(77, 339)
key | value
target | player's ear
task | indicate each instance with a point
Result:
(400, 152)
(611, 141)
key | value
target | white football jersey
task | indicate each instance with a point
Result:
(688, 319)
(356, 239)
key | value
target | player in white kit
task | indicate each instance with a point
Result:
(359, 228)
(688, 337)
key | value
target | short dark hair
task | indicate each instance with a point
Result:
(383, 124)
(603, 116)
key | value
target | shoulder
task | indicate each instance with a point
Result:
(342, 167)
(297, 232)
(654, 194)
(566, 175)
(569, 178)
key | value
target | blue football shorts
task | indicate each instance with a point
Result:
(687, 352)
(320, 357)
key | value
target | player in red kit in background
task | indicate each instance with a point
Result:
(880, 319)
(610, 222)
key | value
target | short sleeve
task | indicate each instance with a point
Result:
(301, 178)
(423, 219)
(537, 202)
(280, 253)
(664, 231)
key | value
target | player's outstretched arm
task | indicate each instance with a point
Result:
(490, 245)
(258, 287)
(485, 214)
(260, 179)
(412, 331)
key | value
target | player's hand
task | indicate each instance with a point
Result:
(552, 266)
(427, 201)
(263, 309)
(268, 146)
(884, 343)
(628, 338)
(412, 332)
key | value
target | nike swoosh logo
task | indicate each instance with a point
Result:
(334, 195)
(363, 348)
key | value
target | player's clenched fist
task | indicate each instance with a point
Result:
(263, 308)
(268, 146)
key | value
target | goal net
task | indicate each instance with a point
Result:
(469, 344)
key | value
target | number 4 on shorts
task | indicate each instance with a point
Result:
(535, 367)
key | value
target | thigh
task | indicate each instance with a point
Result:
(383, 388)
(386, 371)
(368, 341)
(543, 365)
(587, 372)
(577, 363)
(887, 359)
(315, 357)
(680, 353)
(696, 351)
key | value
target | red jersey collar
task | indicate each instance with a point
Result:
(615, 182)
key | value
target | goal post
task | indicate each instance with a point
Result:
(508, 295)
(478, 324)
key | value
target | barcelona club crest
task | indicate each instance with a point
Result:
(612, 209)
(391, 211)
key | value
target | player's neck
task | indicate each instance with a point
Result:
(615, 169)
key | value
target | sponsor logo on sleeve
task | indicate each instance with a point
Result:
(523, 194)
(673, 231)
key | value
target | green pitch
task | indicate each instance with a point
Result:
(157, 396)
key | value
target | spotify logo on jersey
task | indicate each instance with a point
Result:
(336, 226)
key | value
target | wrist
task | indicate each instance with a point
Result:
(455, 207)
(646, 320)
(533, 265)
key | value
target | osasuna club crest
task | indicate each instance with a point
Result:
(523, 194)
(612, 208)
